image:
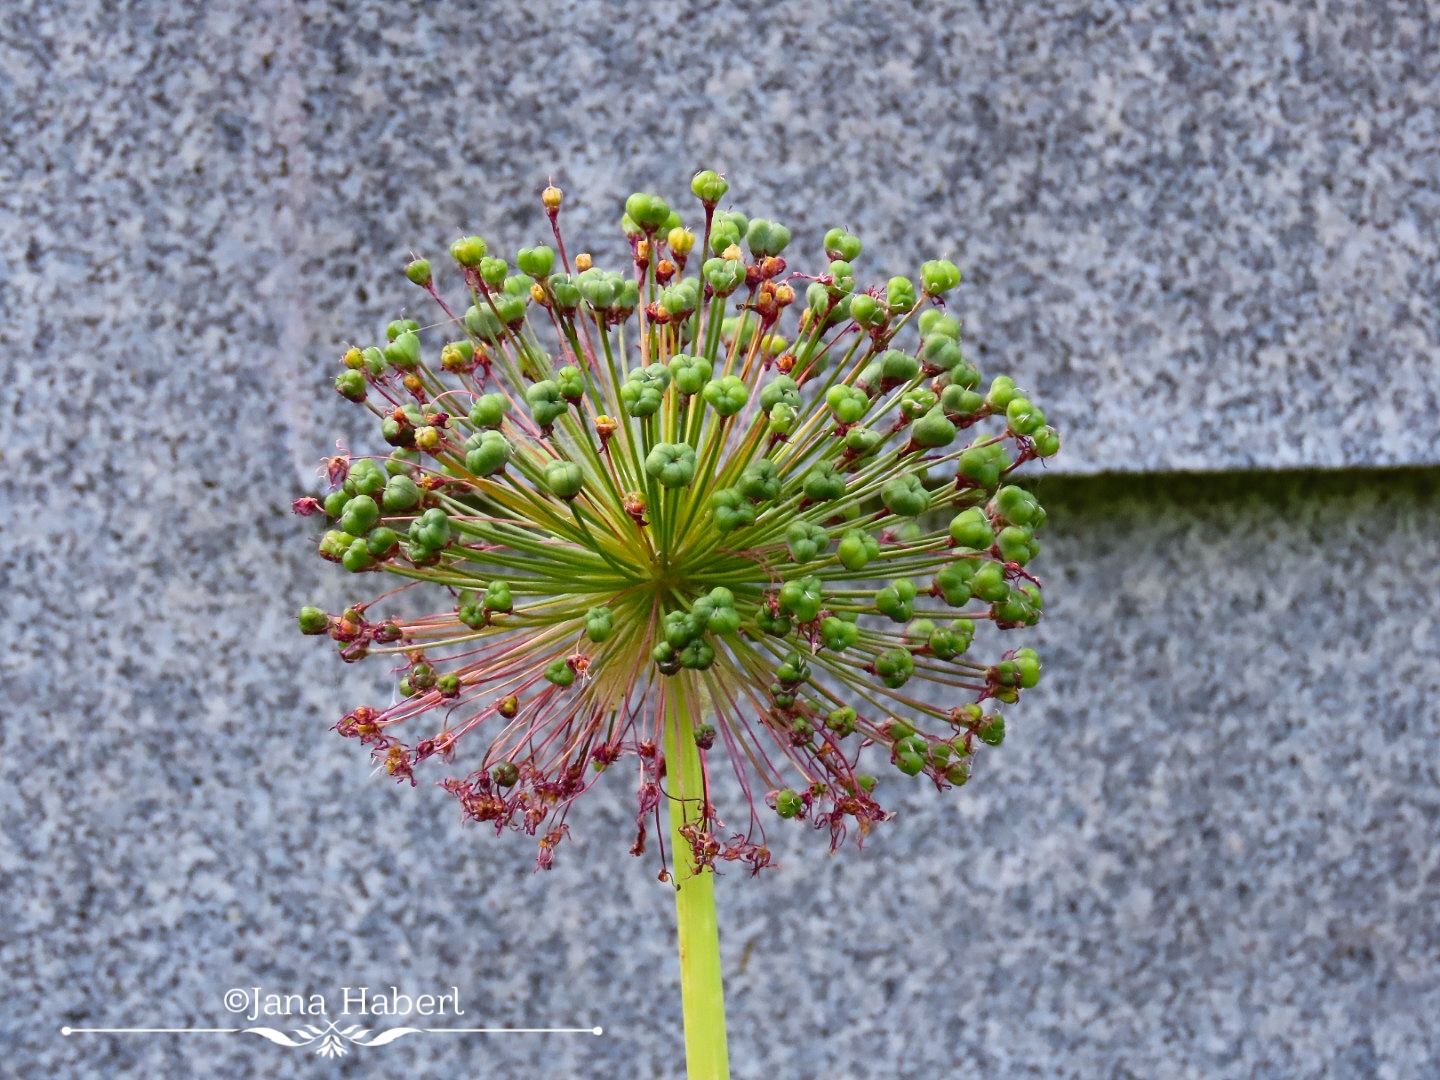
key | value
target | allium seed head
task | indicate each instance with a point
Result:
(645, 499)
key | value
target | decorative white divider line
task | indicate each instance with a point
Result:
(332, 1038)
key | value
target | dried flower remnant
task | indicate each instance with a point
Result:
(701, 490)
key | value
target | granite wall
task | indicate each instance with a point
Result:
(1205, 236)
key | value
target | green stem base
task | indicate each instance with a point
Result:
(707, 1056)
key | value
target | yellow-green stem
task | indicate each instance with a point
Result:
(702, 993)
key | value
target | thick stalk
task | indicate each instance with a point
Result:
(702, 993)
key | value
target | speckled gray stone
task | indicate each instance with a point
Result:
(1205, 236)
(1207, 849)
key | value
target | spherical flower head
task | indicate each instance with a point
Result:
(646, 504)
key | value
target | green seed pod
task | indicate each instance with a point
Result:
(431, 531)
(1028, 665)
(838, 635)
(381, 541)
(788, 804)
(672, 464)
(680, 628)
(760, 481)
(366, 477)
(953, 581)
(418, 271)
(841, 721)
(511, 309)
(1046, 442)
(357, 557)
(916, 402)
(856, 549)
(400, 462)
(900, 295)
(939, 277)
(709, 187)
(564, 292)
(1015, 543)
(334, 544)
(723, 236)
(731, 509)
(766, 238)
(862, 441)
(571, 382)
(360, 515)
(1023, 417)
(599, 624)
(727, 395)
(783, 419)
(351, 385)
(493, 272)
(404, 352)
(802, 598)
(933, 430)
(536, 262)
(868, 311)
(481, 321)
(958, 403)
(505, 774)
(488, 411)
(905, 496)
(422, 676)
(899, 730)
(823, 483)
(897, 600)
(649, 212)
(471, 612)
(984, 464)
(545, 401)
(793, 669)
(313, 621)
(806, 542)
(937, 322)
(840, 244)
(401, 494)
(723, 275)
(468, 251)
(334, 503)
(776, 624)
(1014, 609)
(489, 453)
(641, 398)
(939, 353)
(697, 656)
(910, 763)
(666, 657)
(374, 361)
(690, 373)
(560, 673)
(897, 368)
(971, 529)
(781, 388)
(989, 582)
(1002, 392)
(498, 598)
(564, 479)
(958, 773)
(992, 730)
(847, 403)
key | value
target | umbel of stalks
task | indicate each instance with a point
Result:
(771, 502)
